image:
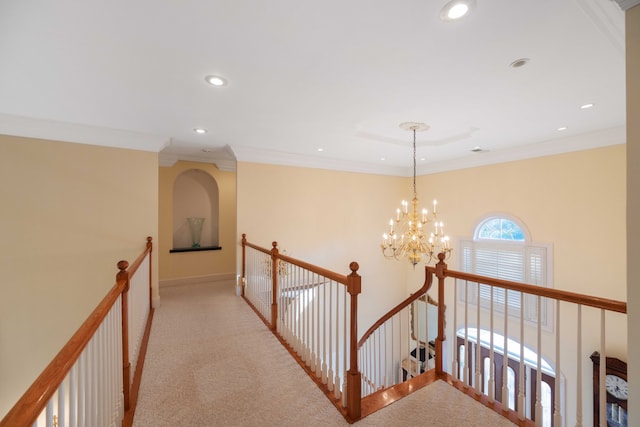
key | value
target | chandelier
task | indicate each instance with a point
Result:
(407, 236)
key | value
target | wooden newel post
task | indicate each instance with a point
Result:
(244, 262)
(441, 269)
(354, 377)
(274, 282)
(123, 276)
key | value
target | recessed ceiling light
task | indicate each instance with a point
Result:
(200, 131)
(585, 106)
(519, 63)
(561, 128)
(456, 9)
(215, 80)
(477, 149)
(383, 159)
(320, 149)
(422, 159)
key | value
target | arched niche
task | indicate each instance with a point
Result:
(195, 194)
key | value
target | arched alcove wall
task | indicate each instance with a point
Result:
(195, 194)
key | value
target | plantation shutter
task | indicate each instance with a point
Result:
(507, 261)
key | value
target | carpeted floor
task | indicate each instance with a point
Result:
(212, 362)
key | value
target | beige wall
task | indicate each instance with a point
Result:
(327, 218)
(633, 208)
(69, 213)
(193, 265)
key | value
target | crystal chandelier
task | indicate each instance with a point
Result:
(406, 236)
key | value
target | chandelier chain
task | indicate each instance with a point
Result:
(414, 163)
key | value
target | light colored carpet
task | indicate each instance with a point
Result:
(212, 362)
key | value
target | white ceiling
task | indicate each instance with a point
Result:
(338, 75)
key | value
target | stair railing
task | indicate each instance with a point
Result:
(479, 311)
(89, 382)
(313, 311)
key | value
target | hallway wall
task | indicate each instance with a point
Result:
(69, 213)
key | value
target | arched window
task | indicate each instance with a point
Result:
(502, 248)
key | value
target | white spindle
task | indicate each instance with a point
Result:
(346, 350)
(492, 365)
(578, 370)
(62, 407)
(454, 363)
(467, 353)
(408, 349)
(326, 316)
(49, 414)
(73, 395)
(334, 371)
(312, 323)
(385, 382)
(522, 380)
(82, 387)
(505, 356)
(320, 329)
(478, 376)
(539, 365)
(329, 372)
(603, 362)
(557, 416)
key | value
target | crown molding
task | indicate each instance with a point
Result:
(80, 134)
(608, 19)
(170, 159)
(627, 4)
(256, 155)
(588, 141)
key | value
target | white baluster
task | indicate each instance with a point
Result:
(467, 352)
(521, 393)
(492, 365)
(49, 414)
(505, 357)
(73, 395)
(454, 363)
(578, 370)
(331, 359)
(346, 349)
(62, 407)
(539, 365)
(334, 368)
(602, 375)
(557, 416)
(478, 378)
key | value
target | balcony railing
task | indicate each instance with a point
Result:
(89, 382)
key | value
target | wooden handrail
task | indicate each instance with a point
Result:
(340, 278)
(557, 294)
(414, 296)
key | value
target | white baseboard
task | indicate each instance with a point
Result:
(197, 279)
